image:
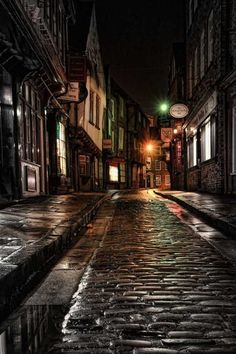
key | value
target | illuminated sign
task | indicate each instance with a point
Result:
(179, 110)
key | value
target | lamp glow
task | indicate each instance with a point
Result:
(149, 147)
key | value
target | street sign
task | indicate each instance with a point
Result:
(107, 144)
(72, 94)
(179, 110)
(166, 135)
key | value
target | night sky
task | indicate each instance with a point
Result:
(136, 40)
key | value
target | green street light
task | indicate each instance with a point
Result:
(164, 107)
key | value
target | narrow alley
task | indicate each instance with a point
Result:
(138, 281)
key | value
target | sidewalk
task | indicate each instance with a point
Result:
(33, 234)
(217, 210)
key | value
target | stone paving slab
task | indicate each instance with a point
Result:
(33, 234)
(217, 210)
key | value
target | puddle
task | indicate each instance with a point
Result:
(31, 329)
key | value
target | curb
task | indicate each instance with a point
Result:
(32, 262)
(210, 218)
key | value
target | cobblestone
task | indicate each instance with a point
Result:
(153, 286)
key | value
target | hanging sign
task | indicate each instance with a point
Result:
(166, 134)
(179, 110)
(72, 94)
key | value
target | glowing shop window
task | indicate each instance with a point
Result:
(113, 174)
(61, 148)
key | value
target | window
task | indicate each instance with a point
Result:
(84, 165)
(208, 139)
(98, 104)
(202, 54)
(122, 172)
(158, 180)
(113, 140)
(158, 150)
(112, 109)
(121, 101)
(210, 38)
(167, 179)
(113, 174)
(192, 151)
(109, 126)
(31, 133)
(121, 139)
(234, 140)
(91, 107)
(61, 148)
(165, 166)
(157, 165)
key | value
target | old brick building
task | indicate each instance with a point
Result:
(176, 95)
(33, 42)
(210, 59)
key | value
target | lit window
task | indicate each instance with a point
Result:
(192, 151)
(61, 148)
(208, 139)
(113, 174)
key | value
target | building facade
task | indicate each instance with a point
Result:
(176, 95)
(115, 137)
(87, 114)
(125, 136)
(209, 127)
(32, 74)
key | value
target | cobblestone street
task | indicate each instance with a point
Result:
(152, 287)
(140, 280)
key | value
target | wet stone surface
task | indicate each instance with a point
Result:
(27, 222)
(153, 286)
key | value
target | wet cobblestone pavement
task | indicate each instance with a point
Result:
(27, 222)
(153, 286)
(147, 283)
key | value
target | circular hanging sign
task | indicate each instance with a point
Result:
(179, 110)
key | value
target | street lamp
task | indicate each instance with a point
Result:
(164, 107)
(149, 147)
